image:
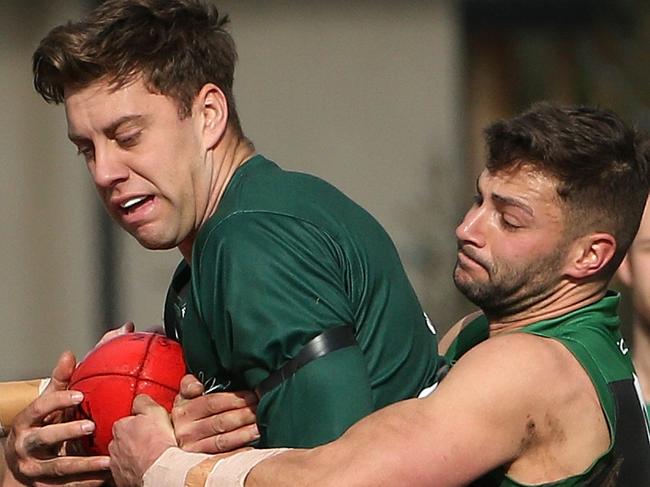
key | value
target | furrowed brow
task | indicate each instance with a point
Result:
(77, 139)
(506, 200)
(112, 128)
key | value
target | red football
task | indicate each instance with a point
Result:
(115, 372)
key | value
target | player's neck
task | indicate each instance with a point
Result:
(567, 298)
(232, 151)
(641, 354)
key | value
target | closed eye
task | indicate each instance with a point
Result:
(508, 223)
(129, 140)
(87, 152)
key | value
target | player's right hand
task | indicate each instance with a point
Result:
(35, 448)
(218, 422)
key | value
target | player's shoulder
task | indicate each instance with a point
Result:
(513, 363)
(251, 239)
(254, 226)
(237, 235)
(514, 350)
(265, 182)
(503, 381)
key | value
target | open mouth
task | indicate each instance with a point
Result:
(134, 203)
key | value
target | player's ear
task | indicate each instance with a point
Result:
(589, 254)
(624, 272)
(212, 108)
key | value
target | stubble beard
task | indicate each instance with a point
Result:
(510, 290)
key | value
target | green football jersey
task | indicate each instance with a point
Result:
(285, 258)
(592, 335)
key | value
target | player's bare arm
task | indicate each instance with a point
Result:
(14, 397)
(495, 413)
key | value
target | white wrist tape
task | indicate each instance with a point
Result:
(170, 469)
(43, 384)
(232, 471)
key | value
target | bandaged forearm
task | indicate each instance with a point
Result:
(178, 468)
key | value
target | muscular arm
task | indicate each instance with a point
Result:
(16, 396)
(517, 400)
(464, 429)
(467, 427)
(490, 411)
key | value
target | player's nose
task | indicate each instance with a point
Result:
(109, 168)
(470, 229)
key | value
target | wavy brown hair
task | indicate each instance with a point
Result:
(177, 46)
(600, 165)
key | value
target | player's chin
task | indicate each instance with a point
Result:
(466, 283)
(464, 277)
(152, 241)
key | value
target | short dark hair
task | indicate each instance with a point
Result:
(176, 45)
(599, 162)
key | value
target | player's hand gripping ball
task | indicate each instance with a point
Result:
(115, 372)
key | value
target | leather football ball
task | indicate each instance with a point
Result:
(114, 373)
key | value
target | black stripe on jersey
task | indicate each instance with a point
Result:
(630, 465)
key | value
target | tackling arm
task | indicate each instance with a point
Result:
(16, 396)
(470, 425)
(474, 422)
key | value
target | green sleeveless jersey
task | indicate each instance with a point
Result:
(285, 258)
(592, 335)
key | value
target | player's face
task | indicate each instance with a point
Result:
(510, 243)
(146, 162)
(639, 262)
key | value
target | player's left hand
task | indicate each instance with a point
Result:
(139, 440)
(218, 422)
